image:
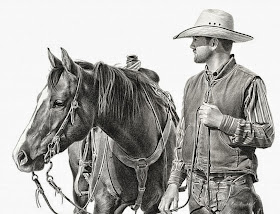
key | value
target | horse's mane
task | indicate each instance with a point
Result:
(121, 91)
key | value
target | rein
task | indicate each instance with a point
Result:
(57, 189)
(40, 190)
(198, 124)
(197, 128)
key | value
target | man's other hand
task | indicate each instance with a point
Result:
(171, 196)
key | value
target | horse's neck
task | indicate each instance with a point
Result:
(138, 137)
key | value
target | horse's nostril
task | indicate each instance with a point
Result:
(22, 158)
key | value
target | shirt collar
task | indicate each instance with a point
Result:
(222, 70)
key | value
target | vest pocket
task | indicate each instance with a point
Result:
(222, 153)
(226, 140)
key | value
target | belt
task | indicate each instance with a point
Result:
(236, 178)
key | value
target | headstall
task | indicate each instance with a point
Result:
(54, 146)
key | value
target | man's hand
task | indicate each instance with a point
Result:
(210, 115)
(170, 196)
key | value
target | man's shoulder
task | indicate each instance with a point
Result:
(245, 71)
(193, 80)
(195, 77)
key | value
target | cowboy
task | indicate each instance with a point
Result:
(225, 118)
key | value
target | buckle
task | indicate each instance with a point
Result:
(74, 104)
(141, 189)
(142, 163)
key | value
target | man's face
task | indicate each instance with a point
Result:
(201, 49)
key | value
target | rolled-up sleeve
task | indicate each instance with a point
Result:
(257, 129)
(178, 173)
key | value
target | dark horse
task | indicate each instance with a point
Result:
(126, 105)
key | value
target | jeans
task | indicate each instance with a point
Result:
(229, 194)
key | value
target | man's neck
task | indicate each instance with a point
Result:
(217, 60)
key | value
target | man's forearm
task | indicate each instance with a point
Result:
(246, 133)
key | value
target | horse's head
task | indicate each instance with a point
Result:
(62, 115)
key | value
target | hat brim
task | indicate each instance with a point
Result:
(214, 31)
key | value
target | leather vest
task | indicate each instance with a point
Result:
(227, 92)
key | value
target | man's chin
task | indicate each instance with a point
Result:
(198, 60)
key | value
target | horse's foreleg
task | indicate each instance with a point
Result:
(153, 210)
(105, 203)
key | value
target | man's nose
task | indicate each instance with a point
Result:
(192, 45)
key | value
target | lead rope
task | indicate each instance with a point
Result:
(208, 170)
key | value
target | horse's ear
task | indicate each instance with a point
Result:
(55, 62)
(68, 64)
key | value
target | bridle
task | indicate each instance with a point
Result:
(54, 146)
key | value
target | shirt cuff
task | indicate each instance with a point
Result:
(176, 177)
(178, 173)
(229, 125)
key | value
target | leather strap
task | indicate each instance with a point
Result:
(84, 161)
(134, 162)
(99, 166)
(141, 165)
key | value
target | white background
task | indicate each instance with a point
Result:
(108, 31)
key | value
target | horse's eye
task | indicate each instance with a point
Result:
(58, 103)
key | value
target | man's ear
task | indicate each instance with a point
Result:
(213, 43)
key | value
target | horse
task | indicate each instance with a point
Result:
(138, 131)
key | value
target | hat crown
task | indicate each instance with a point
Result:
(217, 18)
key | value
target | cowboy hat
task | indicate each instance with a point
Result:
(215, 23)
